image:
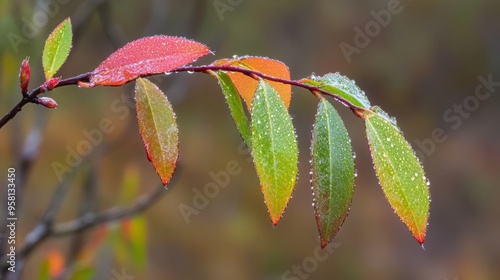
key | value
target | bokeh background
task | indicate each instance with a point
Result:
(423, 63)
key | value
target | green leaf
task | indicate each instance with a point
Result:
(274, 149)
(157, 127)
(82, 273)
(44, 270)
(235, 105)
(400, 173)
(137, 238)
(332, 171)
(57, 48)
(341, 86)
(130, 185)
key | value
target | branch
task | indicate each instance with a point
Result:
(91, 219)
(31, 97)
(84, 78)
(46, 229)
(252, 73)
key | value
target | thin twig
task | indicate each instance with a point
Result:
(35, 92)
(91, 219)
(46, 229)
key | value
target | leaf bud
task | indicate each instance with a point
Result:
(24, 76)
(47, 102)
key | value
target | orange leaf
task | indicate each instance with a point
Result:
(246, 85)
(56, 263)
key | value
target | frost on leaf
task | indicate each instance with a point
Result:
(400, 173)
(146, 56)
(157, 127)
(57, 47)
(274, 149)
(332, 171)
(340, 85)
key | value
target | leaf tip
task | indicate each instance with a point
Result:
(420, 238)
(275, 219)
(325, 242)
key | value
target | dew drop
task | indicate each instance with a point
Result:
(168, 73)
(190, 72)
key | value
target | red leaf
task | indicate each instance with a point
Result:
(146, 56)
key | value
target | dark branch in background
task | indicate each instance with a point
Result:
(92, 219)
(42, 229)
(81, 17)
(46, 227)
(113, 33)
(88, 203)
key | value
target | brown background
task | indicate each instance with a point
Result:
(426, 60)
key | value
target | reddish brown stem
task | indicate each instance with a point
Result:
(253, 74)
(84, 79)
(31, 97)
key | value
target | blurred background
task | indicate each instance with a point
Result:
(422, 65)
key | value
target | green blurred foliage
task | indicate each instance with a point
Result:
(426, 60)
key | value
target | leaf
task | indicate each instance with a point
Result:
(400, 173)
(53, 266)
(332, 171)
(146, 56)
(274, 149)
(44, 270)
(157, 127)
(130, 185)
(134, 230)
(82, 273)
(57, 47)
(235, 106)
(341, 86)
(246, 85)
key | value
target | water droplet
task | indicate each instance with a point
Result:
(168, 73)
(190, 72)
(345, 84)
(235, 56)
